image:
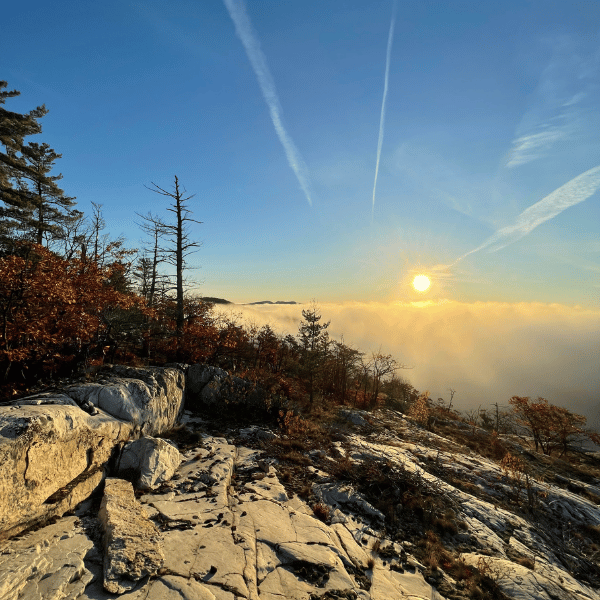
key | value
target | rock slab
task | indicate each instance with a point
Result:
(149, 398)
(50, 459)
(48, 563)
(132, 544)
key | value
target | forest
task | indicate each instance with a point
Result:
(73, 298)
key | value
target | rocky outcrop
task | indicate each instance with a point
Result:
(213, 388)
(231, 530)
(48, 563)
(51, 458)
(223, 538)
(133, 547)
(149, 462)
(54, 447)
(390, 510)
(149, 398)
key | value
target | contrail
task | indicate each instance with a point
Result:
(385, 90)
(573, 192)
(245, 31)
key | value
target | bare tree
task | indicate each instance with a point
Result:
(73, 236)
(180, 244)
(148, 267)
(98, 224)
(382, 365)
(452, 392)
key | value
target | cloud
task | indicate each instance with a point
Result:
(532, 146)
(385, 90)
(573, 192)
(487, 351)
(564, 95)
(245, 31)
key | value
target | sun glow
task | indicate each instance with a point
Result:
(421, 283)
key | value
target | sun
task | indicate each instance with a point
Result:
(421, 283)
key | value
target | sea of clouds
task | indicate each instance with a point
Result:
(486, 351)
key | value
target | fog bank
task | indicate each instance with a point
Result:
(486, 351)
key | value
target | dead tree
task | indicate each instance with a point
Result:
(180, 245)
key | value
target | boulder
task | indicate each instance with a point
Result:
(210, 387)
(132, 544)
(360, 418)
(150, 398)
(51, 458)
(152, 460)
(54, 446)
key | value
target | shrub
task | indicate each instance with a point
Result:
(420, 410)
(321, 511)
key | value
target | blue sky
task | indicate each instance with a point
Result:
(490, 108)
(270, 112)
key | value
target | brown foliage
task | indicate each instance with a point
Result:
(420, 411)
(552, 427)
(53, 310)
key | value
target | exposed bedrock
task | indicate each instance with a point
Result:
(149, 398)
(51, 458)
(48, 563)
(213, 388)
(229, 529)
(54, 447)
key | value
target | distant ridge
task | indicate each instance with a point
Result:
(271, 302)
(216, 300)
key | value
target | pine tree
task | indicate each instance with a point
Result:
(48, 209)
(314, 341)
(14, 128)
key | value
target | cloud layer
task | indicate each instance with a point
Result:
(487, 351)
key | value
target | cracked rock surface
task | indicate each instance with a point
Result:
(48, 563)
(228, 527)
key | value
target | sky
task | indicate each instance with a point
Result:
(338, 148)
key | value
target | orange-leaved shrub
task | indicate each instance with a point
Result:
(52, 310)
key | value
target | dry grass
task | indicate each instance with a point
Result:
(595, 498)
(525, 561)
(478, 583)
(185, 437)
(433, 554)
(295, 457)
(390, 487)
(446, 524)
(321, 511)
(484, 443)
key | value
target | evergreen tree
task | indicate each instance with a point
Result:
(14, 128)
(48, 209)
(314, 341)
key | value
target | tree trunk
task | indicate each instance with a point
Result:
(179, 264)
